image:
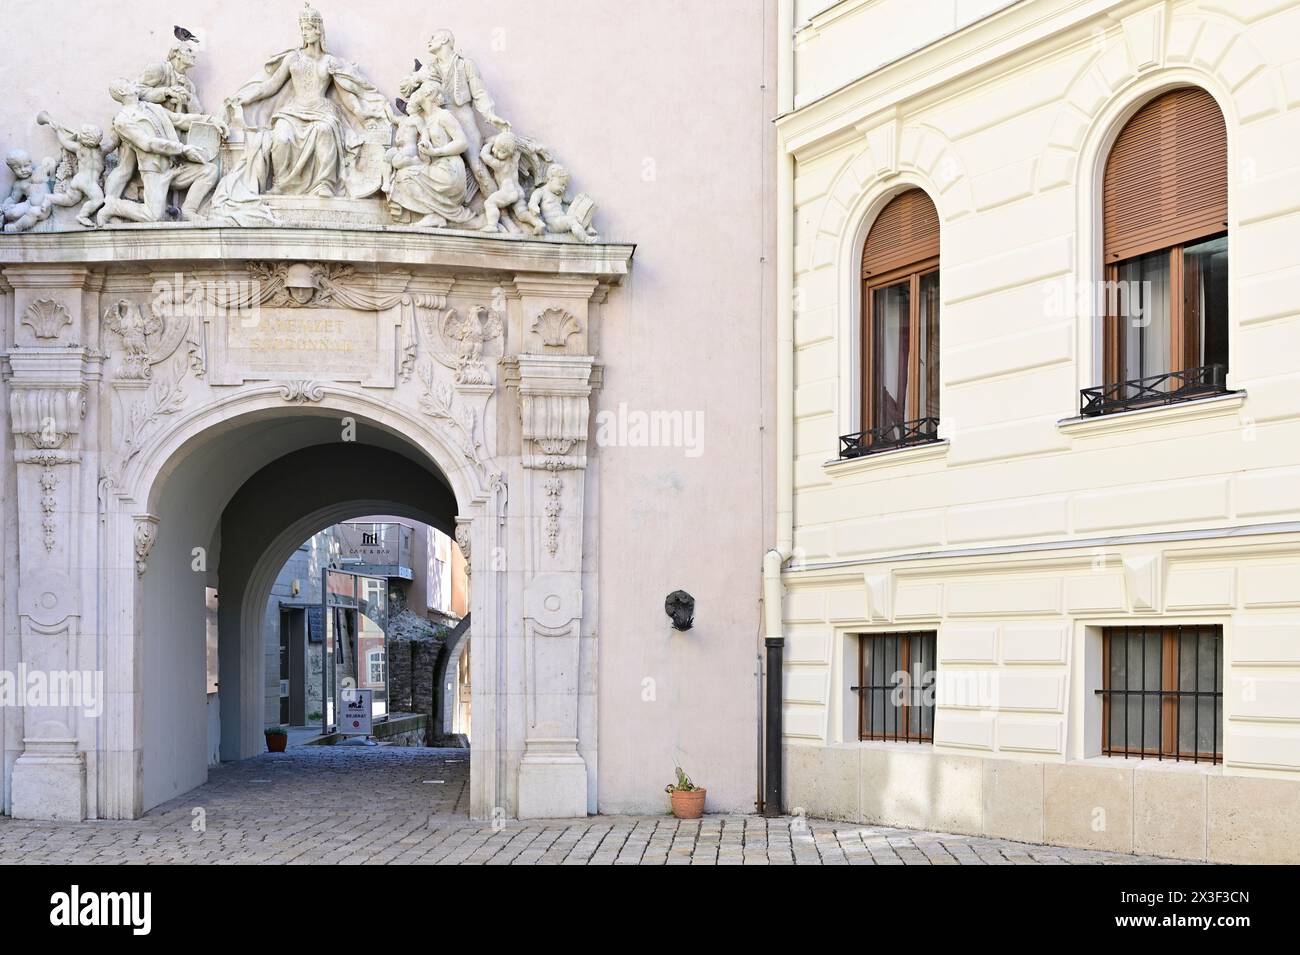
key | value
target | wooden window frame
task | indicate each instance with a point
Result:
(1164, 187)
(1170, 637)
(903, 662)
(912, 273)
(1184, 334)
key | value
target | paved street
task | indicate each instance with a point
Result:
(392, 805)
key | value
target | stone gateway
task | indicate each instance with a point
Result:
(312, 269)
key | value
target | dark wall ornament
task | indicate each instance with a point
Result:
(680, 607)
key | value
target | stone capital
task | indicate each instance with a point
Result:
(555, 408)
(47, 402)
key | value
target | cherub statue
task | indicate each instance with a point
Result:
(547, 201)
(126, 320)
(501, 155)
(481, 325)
(29, 199)
(89, 149)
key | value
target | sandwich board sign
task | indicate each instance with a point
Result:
(354, 712)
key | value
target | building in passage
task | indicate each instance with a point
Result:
(424, 602)
(1038, 507)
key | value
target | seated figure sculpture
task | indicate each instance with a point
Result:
(427, 169)
(320, 110)
(547, 201)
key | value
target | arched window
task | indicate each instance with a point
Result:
(900, 327)
(1165, 245)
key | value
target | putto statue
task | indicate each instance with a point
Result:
(501, 155)
(307, 141)
(547, 201)
(88, 149)
(28, 201)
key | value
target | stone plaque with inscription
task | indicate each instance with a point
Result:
(324, 343)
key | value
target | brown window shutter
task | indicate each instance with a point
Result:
(905, 232)
(1167, 176)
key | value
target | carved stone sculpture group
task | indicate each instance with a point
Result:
(308, 133)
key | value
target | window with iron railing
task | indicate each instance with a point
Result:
(900, 328)
(1162, 693)
(1165, 245)
(896, 686)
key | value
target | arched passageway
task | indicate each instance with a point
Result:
(232, 510)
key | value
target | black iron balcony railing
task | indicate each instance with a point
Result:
(902, 435)
(1167, 389)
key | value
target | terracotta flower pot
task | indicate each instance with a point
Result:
(276, 742)
(688, 804)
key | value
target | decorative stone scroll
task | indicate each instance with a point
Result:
(146, 533)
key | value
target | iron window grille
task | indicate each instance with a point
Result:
(1162, 693)
(896, 691)
(902, 435)
(1165, 389)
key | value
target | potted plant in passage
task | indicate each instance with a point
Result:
(687, 798)
(277, 738)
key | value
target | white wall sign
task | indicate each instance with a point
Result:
(354, 712)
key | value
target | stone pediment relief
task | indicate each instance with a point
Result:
(307, 141)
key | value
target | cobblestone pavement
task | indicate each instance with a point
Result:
(332, 804)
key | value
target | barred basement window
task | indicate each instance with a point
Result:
(1162, 692)
(896, 695)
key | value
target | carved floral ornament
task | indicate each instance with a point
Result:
(553, 487)
(49, 501)
(437, 155)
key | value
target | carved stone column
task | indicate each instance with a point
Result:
(554, 392)
(47, 405)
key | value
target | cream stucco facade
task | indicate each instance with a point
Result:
(1025, 530)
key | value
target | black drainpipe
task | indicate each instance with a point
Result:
(773, 804)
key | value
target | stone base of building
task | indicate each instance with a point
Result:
(1179, 811)
(552, 786)
(49, 781)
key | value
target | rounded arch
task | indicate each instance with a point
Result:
(928, 162)
(1098, 139)
(261, 578)
(144, 476)
(248, 480)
